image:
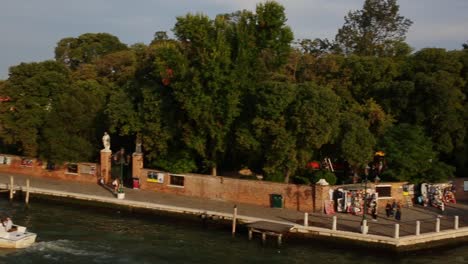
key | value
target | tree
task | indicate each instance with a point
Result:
(86, 48)
(438, 100)
(69, 131)
(291, 121)
(273, 36)
(50, 116)
(208, 93)
(270, 125)
(34, 89)
(410, 156)
(376, 30)
(356, 141)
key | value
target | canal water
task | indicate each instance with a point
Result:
(79, 234)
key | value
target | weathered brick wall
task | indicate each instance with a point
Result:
(460, 194)
(37, 169)
(397, 194)
(298, 197)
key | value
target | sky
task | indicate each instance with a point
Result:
(30, 29)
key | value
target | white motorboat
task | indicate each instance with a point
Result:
(19, 238)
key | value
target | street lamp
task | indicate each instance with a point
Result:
(366, 173)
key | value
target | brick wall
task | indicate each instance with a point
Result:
(460, 194)
(38, 169)
(298, 197)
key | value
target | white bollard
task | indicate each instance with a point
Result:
(334, 223)
(456, 222)
(306, 219)
(397, 231)
(11, 188)
(234, 221)
(418, 228)
(438, 225)
(364, 227)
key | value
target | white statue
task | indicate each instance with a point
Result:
(106, 141)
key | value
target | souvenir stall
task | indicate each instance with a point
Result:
(350, 199)
(437, 195)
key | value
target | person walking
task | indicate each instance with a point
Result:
(374, 211)
(388, 209)
(398, 213)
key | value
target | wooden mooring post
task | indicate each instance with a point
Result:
(418, 228)
(306, 219)
(26, 200)
(268, 228)
(11, 187)
(455, 219)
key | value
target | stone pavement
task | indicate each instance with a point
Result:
(384, 226)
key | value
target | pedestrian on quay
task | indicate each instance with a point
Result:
(374, 211)
(398, 213)
(388, 209)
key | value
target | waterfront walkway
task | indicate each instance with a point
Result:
(249, 213)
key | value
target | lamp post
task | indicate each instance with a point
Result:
(366, 173)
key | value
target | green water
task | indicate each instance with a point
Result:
(71, 234)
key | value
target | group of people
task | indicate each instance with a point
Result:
(7, 224)
(393, 210)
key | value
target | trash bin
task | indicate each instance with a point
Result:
(276, 200)
(136, 183)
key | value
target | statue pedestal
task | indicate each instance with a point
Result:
(137, 164)
(106, 165)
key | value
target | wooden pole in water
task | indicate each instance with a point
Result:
(456, 222)
(26, 200)
(234, 220)
(11, 188)
(306, 219)
(438, 225)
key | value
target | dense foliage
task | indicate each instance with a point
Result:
(234, 91)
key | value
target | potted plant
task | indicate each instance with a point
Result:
(120, 192)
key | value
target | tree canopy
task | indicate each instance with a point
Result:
(234, 92)
(376, 30)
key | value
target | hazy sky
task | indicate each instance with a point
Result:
(30, 29)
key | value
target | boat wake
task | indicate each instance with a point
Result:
(62, 250)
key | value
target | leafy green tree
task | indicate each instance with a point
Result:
(34, 89)
(68, 133)
(410, 156)
(118, 67)
(49, 116)
(376, 30)
(208, 92)
(438, 101)
(291, 121)
(356, 142)
(273, 36)
(86, 48)
(276, 142)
